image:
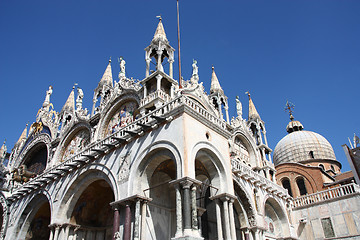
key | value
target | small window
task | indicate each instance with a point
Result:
(327, 227)
(301, 185)
(286, 185)
(311, 154)
(332, 168)
(322, 167)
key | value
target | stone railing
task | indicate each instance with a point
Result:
(158, 94)
(203, 112)
(327, 195)
(125, 134)
(243, 171)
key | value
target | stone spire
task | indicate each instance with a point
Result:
(3, 150)
(160, 32)
(159, 49)
(107, 78)
(23, 135)
(253, 114)
(69, 105)
(215, 85)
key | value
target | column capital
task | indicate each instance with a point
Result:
(223, 197)
(185, 182)
(55, 225)
(129, 200)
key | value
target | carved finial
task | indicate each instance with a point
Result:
(110, 59)
(289, 108)
(159, 17)
(247, 93)
(356, 140)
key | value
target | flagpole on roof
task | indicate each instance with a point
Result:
(178, 23)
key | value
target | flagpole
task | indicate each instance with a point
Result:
(178, 23)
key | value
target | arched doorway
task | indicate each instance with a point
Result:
(160, 171)
(92, 212)
(243, 212)
(211, 175)
(35, 219)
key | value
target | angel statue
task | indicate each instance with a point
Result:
(195, 68)
(79, 99)
(238, 107)
(47, 98)
(122, 67)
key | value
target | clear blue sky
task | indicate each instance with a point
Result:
(306, 51)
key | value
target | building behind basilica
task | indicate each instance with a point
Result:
(155, 159)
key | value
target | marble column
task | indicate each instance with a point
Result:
(158, 82)
(226, 219)
(143, 221)
(232, 219)
(127, 224)
(187, 205)
(137, 220)
(145, 90)
(159, 65)
(51, 233)
(116, 222)
(171, 61)
(259, 134)
(67, 229)
(194, 209)
(147, 73)
(56, 234)
(246, 234)
(218, 219)
(219, 104)
(179, 227)
(200, 212)
(227, 114)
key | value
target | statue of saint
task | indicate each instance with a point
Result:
(79, 99)
(122, 67)
(47, 98)
(238, 107)
(195, 68)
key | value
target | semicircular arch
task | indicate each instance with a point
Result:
(213, 161)
(79, 183)
(248, 144)
(71, 133)
(147, 161)
(30, 210)
(112, 108)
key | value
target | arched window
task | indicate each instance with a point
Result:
(332, 168)
(286, 185)
(311, 154)
(301, 185)
(322, 167)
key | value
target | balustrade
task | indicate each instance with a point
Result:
(332, 193)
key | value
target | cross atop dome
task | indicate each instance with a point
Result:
(289, 108)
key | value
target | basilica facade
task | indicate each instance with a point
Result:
(153, 159)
